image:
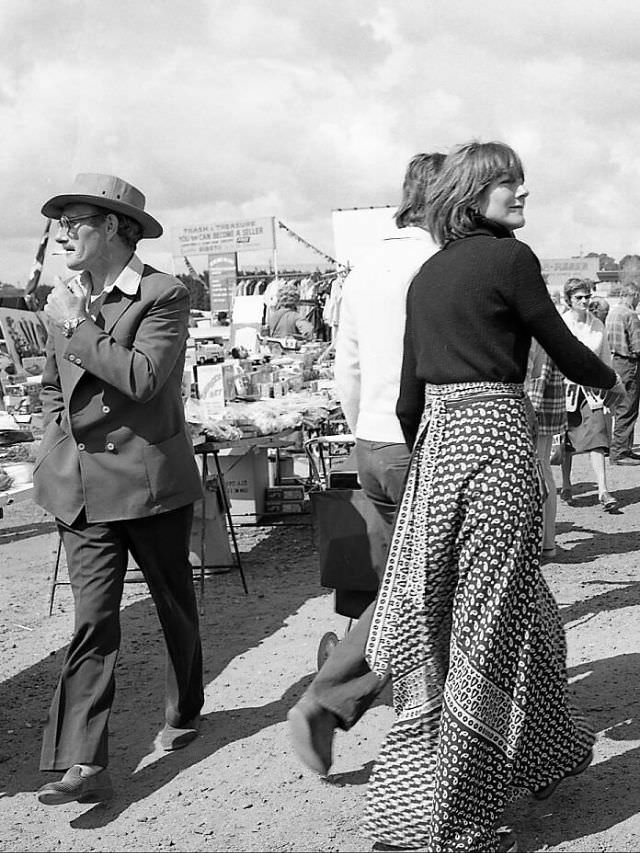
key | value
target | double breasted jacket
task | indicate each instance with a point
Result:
(115, 440)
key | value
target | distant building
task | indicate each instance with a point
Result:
(557, 270)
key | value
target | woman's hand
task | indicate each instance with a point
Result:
(615, 395)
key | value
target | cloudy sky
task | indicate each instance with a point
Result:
(223, 109)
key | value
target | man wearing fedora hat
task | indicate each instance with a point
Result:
(116, 468)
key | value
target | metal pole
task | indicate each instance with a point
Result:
(210, 290)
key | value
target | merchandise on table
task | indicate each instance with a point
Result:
(17, 455)
(248, 397)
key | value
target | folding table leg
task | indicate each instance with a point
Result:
(227, 510)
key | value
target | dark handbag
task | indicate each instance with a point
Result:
(350, 539)
(557, 450)
(560, 446)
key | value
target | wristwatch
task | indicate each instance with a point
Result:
(69, 326)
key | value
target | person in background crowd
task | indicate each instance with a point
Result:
(464, 617)
(116, 469)
(623, 335)
(285, 321)
(589, 425)
(367, 372)
(544, 385)
(599, 307)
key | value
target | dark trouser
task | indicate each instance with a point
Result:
(345, 685)
(626, 412)
(97, 557)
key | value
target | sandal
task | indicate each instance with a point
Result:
(545, 793)
(608, 502)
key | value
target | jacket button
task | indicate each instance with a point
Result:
(111, 446)
(81, 447)
(72, 357)
(78, 362)
(106, 409)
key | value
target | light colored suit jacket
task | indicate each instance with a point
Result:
(116, 440)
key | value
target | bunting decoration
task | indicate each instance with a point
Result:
(36, 269)
(308, 245)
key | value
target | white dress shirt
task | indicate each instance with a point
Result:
(369, 340)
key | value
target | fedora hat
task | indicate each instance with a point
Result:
(106, 191)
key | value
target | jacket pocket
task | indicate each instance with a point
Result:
(53, 436)
(168, 466)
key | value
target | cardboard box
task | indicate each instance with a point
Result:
(284, 493)
(246, 476)
(217, 551)
(285, 508)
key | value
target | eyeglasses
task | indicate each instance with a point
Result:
(581, 296)
(68, 223)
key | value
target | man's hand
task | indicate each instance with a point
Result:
(66, 301)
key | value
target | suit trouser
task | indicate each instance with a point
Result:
(344, 684)
(97, 558)
(626, 412)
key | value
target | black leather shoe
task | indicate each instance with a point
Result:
(545, 793)
(311, 728)
(175, 737)
(75, 787)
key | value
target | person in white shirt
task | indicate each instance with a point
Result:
(369, 348)
(589, 423)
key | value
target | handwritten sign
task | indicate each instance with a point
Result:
(246, 235)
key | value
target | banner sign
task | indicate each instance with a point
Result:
(223, 274)
(247, 235)
(571, 267)
(557, 270)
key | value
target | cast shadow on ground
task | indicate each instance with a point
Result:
(606, 794)
(26, 531)
(351, 777)
(219, 729)
(281, 578)
(599, 544)
(586, 495)
(624, 595)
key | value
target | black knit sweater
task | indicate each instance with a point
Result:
(472, 310)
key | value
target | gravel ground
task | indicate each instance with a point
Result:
(238, 786)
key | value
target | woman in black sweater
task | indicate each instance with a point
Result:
(464, 617)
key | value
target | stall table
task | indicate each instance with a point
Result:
(212, 448)
(15, 495)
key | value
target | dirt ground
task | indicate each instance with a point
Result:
(238, 787)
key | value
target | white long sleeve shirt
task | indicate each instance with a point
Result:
(369, 341)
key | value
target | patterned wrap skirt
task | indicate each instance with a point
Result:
(471, 632)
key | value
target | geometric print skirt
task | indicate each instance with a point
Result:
(470, 631)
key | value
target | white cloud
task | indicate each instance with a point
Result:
(253, 108)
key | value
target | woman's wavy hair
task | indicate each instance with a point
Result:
(453, 198)
(287, 296)
(420, 174)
